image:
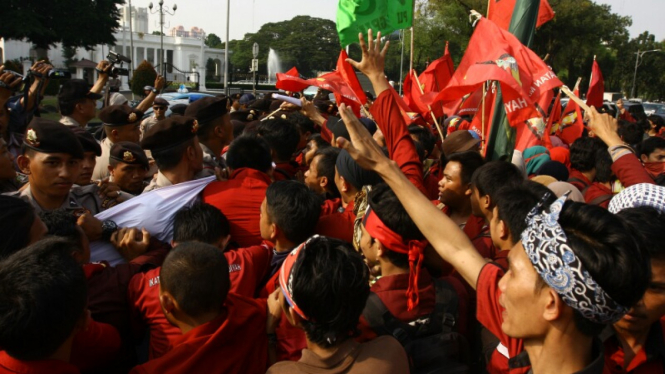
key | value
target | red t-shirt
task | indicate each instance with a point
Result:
(95, 347)
(578, 180)
(338, 225)
(649, 360)
(10, 365)
(598, 194)
(234, 342)
(285, 171)
(488, 313)
(247, 267)
(240, 198)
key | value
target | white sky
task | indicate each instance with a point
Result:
(249, 15)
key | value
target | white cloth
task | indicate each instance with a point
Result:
(152, 210)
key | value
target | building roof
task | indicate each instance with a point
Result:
(84, 63)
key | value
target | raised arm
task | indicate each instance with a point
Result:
(444, 235)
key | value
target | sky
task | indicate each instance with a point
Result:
(250, 15)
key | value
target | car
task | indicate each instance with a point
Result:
(651, 108)
(175, 98)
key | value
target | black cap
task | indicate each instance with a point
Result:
(87, 141)
(245, 115)
(207, 109)
(74, 90)
(46, 136)
(129, 153)
(169, 133)
(120, 115)
(160, 102)
(179, 109)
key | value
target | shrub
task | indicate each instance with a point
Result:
(144, 75)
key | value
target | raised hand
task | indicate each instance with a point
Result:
(362, 148)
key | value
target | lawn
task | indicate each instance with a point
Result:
(48, 109)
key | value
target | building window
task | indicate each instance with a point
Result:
(151, 56)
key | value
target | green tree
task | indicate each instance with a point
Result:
(158, 33)
(309, 43)
(69, 53)
(144, 75)
(45, 23)
(213, 41)
(210, 69)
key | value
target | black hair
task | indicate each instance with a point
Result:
(657, 121)
(515, 203)
(495, 175)
(169, 158)
(294, 208)
(330, 286)
(648, 223)
(391, 212)
(425, 137)
(631, 132)
(61, 223)
(249, 152)
(197, 276)
(610, 251)
(609, 109)
(583, 153)
(637, 111)
(67, 107)
(302, 122)
(603, 166)
(282, 137)
(650, 144)
(200, 222)
(326, 168)
(16, 219)
(43, 295)
(320, 143)
(470, 161)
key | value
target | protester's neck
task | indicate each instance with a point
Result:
(179, 174)
(322, 351)
(460, 213)
(590, 175)
(187, 323)
(348, 196)
(632, 340)
(388, 268)
(46, 201)
(284, 245)
(563, 350)
(64, 352)
(214, 146)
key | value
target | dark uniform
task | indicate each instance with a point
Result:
(207, 112)
(113, 116)
(132, 154)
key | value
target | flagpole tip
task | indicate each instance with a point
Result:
(594, 57)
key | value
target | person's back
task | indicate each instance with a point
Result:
(324, 287)
(241, 196)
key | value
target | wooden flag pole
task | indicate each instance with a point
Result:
(438, 127)
(577, 84)
(482, 119)
(411, 51)
(574, 98)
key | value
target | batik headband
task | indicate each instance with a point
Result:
(546, 244)
(286, 276)
(393, 241)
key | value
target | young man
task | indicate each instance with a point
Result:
(240, 197)
(91, 150)
(635, 343)
(560, 337)
(128, 165)
(600, 191)
(324, 287)
(221, 331)
(320, 177)
(19, 225)
(121, 124)
(176, 150)
(78, 102)
(583, 162)
(283, 138)
(486, 183)
(159, 108)
(44, 327)
(652, 155)
(215, 130)
(247, 267)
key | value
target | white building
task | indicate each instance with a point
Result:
(184, 55)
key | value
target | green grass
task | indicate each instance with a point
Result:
(52, 101)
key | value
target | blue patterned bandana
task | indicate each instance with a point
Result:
(545, 243)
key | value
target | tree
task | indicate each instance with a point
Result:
(309, 43)
(158, 33)
(144, 75)
(75, 23)
(213, 41)
(69, 53)
(210, 69)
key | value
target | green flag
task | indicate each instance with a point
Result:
(501, 141)
(357, 16)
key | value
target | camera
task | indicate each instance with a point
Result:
(18, 75)
(116, 58)
(59, 74)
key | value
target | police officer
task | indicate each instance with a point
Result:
(128, 165)
(121, 123)
(215, 130)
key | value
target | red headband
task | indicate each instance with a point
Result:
(286, 277)
(394, 242)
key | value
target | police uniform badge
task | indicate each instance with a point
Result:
(195, 126)
(31, 138)
(128, 157)
(132, 117)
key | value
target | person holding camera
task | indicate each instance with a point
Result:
(78, 102)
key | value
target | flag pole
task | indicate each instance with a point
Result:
(574, 98)
(438, 127)
(411, 52)
(482, 119)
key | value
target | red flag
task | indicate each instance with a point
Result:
(350, 77)
(495, 54)
(571, 125)
(477, 122)
(596, 87)
(413, 96)
(469, 106)
(555, 117)
(291, 81)
(438, 73)
(501, 11)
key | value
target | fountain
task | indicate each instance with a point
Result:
(274, 65)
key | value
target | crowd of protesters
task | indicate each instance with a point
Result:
(323, 242)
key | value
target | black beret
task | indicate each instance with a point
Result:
(87, 141)
(207, 109)
(261, 105)
(169, 133)
(76, 89)
(245, 115)
(179, 109)
(129, 153)
(120, 115)
(160, 102)
(46, 136)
